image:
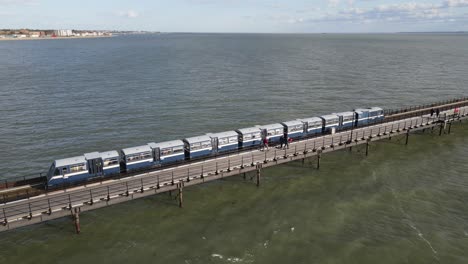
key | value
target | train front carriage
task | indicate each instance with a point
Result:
(329, 122)
(224, 141)
(376, 114)
(197, 147)
(168, 152)
(69, 170)
(293, 129)
(272, 132)
(137, 158)
(312, 125)
(346, 120)
(249, 137)
(361, 117)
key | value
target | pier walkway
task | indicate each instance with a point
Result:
(72, 201)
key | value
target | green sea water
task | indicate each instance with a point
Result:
(401, 204)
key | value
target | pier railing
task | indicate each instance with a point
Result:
(406, 109)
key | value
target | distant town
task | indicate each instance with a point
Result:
(60, 33)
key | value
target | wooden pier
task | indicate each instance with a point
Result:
(73, 201)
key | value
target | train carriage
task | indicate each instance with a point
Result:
(361, 117)
(137, 158)
(197, 147)
(224, 141)
(346, 119)
(293, 129)
(312, 125)
(329, 122)
(167, 152)
(102, 163)
(248, 137)
(272, 132)
(376, 114)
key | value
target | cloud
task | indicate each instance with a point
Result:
(400, 12)
(129, 14)
(333, 3)
(455, 3)
(18, 2)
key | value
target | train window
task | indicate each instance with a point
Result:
(166, 151)
(255, 135)
(177, 149)
(146, 155)
(223, 141)
(77, 168)
(233, 139)
(332, 121)
(347, 118)
(295, 128)
(195, 146)
(64, 170)
(110, 162)
(279, 131)
(57, 172)
(206, 144)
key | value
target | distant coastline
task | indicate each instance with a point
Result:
(52, 38)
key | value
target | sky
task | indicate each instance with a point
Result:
(249, 16)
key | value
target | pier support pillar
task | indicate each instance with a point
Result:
(367, 148)
(76, 220)
(259, 170)
(319, 156)
(450, 128)
(440, 130)
(407, 136)
(181, 194)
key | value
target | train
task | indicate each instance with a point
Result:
(111, 163)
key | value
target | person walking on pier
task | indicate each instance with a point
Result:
(265, 143)
(437, 112)
(432, 112)
(282, 142)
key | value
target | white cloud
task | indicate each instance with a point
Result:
(455, 3)
(129, 14)
(333, 3)
(400, 12)
(18, 2)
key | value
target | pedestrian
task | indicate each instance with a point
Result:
(289, 141)
(281, 141)
(265, 143)
(432, 112)
(437, 112)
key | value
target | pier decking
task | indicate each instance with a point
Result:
(72, 201)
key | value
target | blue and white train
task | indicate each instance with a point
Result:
(105, 164)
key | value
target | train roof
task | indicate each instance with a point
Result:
(311, 119)
(103, 155)
(191, 140)
(375, 108)
(271, 126)
(166, 144)
(70, 161)
(347, 113)
(135, 150)
(109, 154)
(330, 116)
(249, 130)
(223, 134)
(292, 123)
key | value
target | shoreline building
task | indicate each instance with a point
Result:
(63, 33)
